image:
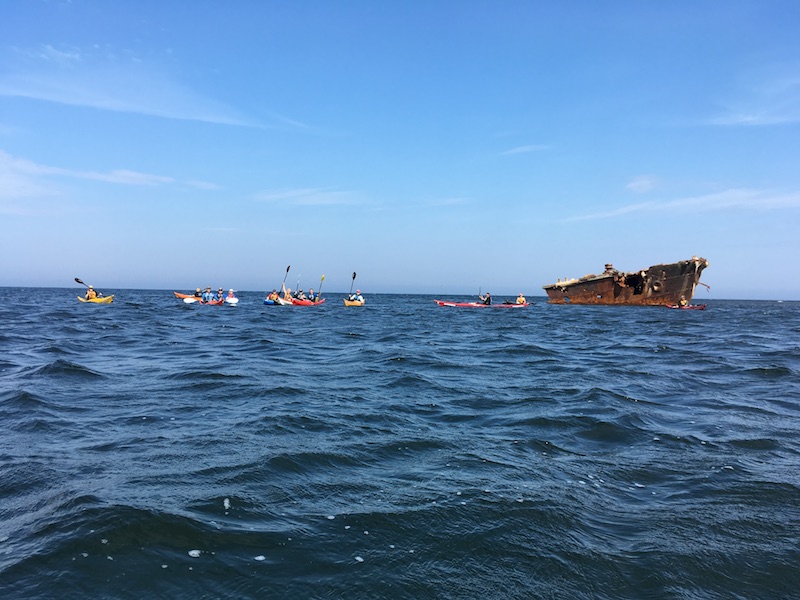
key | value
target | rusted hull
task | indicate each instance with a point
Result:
(658, 285)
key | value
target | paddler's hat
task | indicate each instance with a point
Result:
(197, 290)
(358, 291)
(229, 290)
(91, 287)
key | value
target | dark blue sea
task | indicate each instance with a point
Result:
(153, 449)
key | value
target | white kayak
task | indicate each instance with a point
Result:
(232, 301)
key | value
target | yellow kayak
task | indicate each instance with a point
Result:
(100, 300)
(353, 302)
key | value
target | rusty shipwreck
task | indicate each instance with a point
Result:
(657, 285)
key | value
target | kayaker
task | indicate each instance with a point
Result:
(91, 293)
(231, 294)
(357, 297)
(311, 295)
(198, 293)
(683, 301)
(487, 299)
(208, 295)
(287, 292)
(273, 296)
(521, 299)
(220, 294)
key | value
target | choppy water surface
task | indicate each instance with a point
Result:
(400, 450)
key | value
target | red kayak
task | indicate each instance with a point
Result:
(688, 306)
(479, 304)
(298, 302)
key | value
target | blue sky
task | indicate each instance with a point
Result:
(431, 147)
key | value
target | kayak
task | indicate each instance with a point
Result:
(100, 300)
(193, 300)
(688, 306)
(232, 301)
(353, 302)
(277, 302)
(298, 302)
(479, 304)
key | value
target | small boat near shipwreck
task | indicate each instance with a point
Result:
(658, 285)
(688, 306)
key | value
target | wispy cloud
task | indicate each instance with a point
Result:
(525, 149)
(107, 81)
(734, 199)
(23, 178)
(641, 184)
(308, 197)
(770, 101)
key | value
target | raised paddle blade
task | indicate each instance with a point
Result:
(287, 273)
(78, 280)
(319, 291)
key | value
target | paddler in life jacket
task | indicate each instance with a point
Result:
(521, 299)
(487, 299)
(287, 292)
(683, 301)
(273, 296)
(91, 293)
(198, 293)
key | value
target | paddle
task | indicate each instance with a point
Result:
(319, 291)
(351, 284)
(283, 283)
(79, 280)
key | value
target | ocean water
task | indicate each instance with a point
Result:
(152, 449)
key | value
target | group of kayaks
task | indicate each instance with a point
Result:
(194, 299)
(279, 301)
